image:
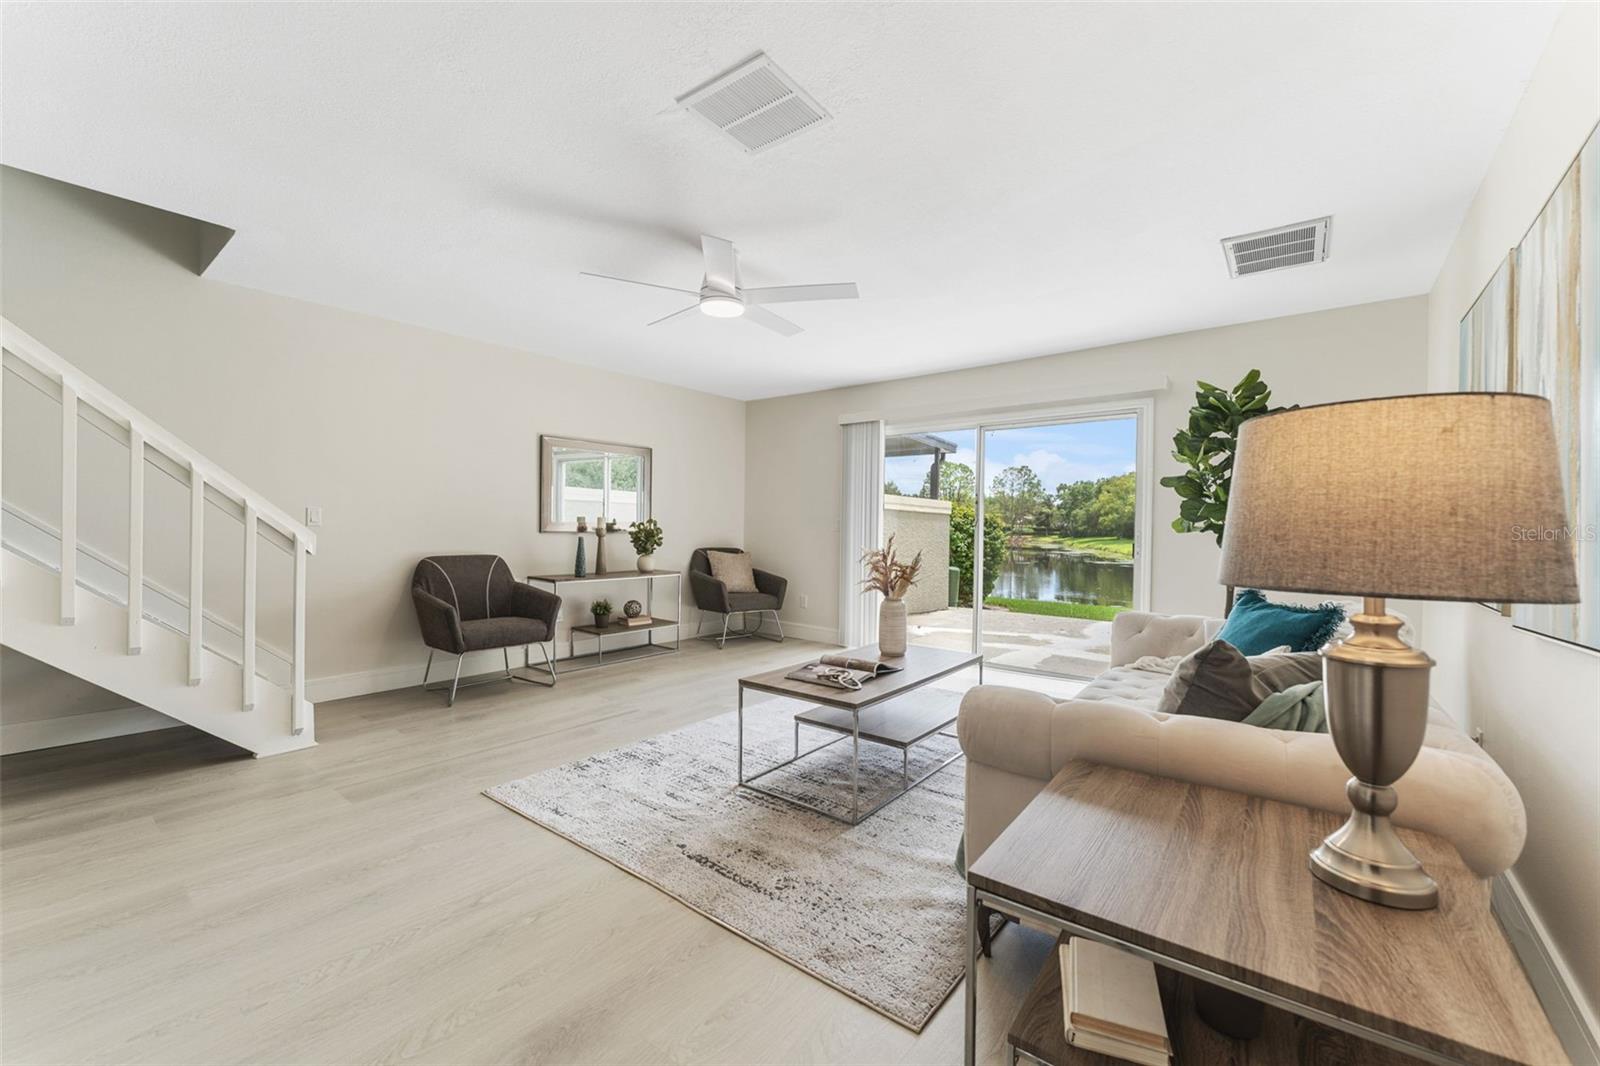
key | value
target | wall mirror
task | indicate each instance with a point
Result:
(591, 479)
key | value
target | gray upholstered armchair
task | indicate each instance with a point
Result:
(473, 603)
(714, 597)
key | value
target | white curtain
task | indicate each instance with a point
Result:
(860, 529)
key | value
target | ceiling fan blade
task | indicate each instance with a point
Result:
(675, 314)
(722, 264)
(630, 281)
(779, 294)
(776, 323)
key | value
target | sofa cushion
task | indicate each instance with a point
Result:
(486, 633)
(734, 570)
(1127, 686)
(1256, 624)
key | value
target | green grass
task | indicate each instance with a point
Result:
(1110, 547)
(1054, 608)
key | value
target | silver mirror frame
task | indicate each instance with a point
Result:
(547, 481)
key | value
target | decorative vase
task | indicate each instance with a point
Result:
(647, 562)
(580, 564)
(602, 620)
(892, 628)
(599, 549)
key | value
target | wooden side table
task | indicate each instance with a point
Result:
(1213, 885)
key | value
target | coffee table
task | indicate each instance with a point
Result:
(863, 714)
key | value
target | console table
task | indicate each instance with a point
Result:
(1214, 886)
(575, 662)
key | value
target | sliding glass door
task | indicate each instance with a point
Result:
(1062, 512)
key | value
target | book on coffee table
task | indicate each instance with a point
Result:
(1112, 1003)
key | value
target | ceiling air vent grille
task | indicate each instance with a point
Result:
(756, 104)
(1277, 248)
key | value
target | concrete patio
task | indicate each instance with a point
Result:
(1074, 647)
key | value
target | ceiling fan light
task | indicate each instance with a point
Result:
(721, 306)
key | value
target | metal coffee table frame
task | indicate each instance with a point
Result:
(855, 736)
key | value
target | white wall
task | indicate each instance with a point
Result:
(794, 460)
(413, 442)
(1538, 701)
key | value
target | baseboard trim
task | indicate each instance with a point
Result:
(18, 737)
(1572, 1018)
(819, 634)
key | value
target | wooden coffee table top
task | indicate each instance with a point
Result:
(920, 665)
(1218, 880)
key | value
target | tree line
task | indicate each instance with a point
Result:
(1101, 507)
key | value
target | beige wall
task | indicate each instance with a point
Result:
(922, 527)
(413, 442)
(1537, 701)
(795, 442)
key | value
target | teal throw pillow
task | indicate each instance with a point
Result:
(1256, 625)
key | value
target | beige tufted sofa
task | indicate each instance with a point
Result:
(1016, 740)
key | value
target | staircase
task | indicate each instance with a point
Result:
(83, 611)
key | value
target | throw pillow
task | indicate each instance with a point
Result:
(1256, 624)
(1213, 682)
(1216, 681)
(733, 569)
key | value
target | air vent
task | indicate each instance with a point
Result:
(1277, 248)
(756, 104)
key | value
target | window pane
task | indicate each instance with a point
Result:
(624, 489)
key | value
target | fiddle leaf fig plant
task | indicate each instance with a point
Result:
(1207, 448)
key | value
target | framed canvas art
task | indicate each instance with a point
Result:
(1556, 343)
(1487, 341)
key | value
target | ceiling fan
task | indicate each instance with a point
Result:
(720, 295)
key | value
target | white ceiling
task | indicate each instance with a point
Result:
(1003, 181)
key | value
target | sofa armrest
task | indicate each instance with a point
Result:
(709, 593)
(1458, 795)
(1007, 728)
(441, 625)
(539, 604)
(772, 585)
(1137, 633)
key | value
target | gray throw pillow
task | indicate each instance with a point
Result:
(733, 569)
(1219, 681)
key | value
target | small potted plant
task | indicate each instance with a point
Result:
(888, 574)
(601, 609)
(646, 537)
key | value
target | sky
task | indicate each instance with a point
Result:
(1059, 454)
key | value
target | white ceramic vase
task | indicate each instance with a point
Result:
(647, 562)
(892, 628)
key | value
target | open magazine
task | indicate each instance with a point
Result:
(841, 671)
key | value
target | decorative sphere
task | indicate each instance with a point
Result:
(633, 608)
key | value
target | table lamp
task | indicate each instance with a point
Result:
(1446, 496)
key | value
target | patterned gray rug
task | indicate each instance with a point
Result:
(875, 910)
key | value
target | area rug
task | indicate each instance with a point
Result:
(875, 910)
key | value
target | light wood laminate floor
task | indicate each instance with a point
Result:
(164, 899)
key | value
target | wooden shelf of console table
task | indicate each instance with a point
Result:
(599, 658)
(1213, 884)
(1040, 1033)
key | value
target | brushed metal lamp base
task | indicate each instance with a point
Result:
(1376, 687)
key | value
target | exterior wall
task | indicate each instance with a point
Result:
(920, 525)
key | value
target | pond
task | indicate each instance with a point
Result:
(1066, 576)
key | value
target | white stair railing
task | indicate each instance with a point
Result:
(83, 397)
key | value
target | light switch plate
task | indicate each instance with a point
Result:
(313, 516)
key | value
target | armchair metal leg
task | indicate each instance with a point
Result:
(453, 684)
(723, 643)
(427, 668)
(744, 629)
(549, 667)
